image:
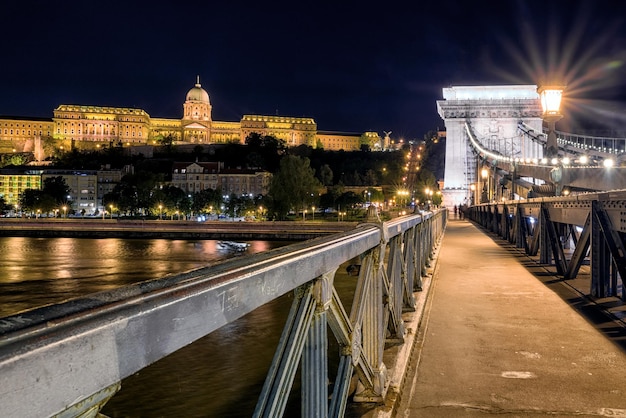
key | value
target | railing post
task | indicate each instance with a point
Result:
(545, 249)
(314, 361)
(373, 332)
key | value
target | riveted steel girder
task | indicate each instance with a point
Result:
(550, 225)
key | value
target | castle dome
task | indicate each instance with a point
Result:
(197, 93)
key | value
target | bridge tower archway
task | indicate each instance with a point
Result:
(493, 114)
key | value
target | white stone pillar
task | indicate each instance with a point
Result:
(492, 114)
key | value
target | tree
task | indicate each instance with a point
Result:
(371, 178)
(57, 189)
(264, 151)
(326, 175)
(15, 159)
(33, 200)
(175, 200)
(166, 141)
(348, 200)
(293, 186)
(206, 200)
(137, 192)
(3, 205)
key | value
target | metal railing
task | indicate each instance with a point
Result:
(68, 359)
(567, 233)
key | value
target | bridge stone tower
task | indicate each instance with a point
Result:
(492, 114)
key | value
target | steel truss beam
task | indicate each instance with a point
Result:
(548, 226)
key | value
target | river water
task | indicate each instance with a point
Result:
(220, 375)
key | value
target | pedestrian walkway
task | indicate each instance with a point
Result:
(496, 339)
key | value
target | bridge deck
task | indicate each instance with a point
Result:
(499, 335)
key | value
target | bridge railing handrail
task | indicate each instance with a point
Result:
(76, 349)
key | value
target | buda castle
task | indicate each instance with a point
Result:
(92, 127)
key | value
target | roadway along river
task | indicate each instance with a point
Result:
(220, 375)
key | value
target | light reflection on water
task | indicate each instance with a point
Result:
(220, 375)
(39, 271)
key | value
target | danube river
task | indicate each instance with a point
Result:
(220, 375)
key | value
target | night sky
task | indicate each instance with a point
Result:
(352, 66)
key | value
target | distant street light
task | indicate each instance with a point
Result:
(551, 104)
(485, 197)
(65, 211)
(160, 212)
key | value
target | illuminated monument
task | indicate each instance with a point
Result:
(91, 127)
(492, 115)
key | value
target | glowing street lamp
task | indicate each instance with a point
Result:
(160, 211)
(551, 104)
(484, 174)
(65, 211)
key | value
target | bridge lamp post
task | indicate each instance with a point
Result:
(484, 173)
(551, 104)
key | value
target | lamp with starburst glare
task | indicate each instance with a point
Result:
(551, 103)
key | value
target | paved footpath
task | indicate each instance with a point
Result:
(496, 340)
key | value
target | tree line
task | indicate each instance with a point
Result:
(303, 178)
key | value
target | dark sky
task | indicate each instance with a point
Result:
(352, 66)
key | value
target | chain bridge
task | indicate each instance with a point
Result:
(495, 149)
(68, 359)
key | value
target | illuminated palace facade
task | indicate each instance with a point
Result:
(90, 127)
